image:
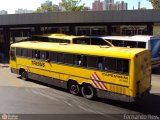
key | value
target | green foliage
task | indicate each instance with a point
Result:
(47, 8)
(65, 5)
(71, 5)
(155, 3)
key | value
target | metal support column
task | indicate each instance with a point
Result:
(6, 34)
(150, 29)
(72, 30)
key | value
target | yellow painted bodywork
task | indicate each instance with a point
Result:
(114, 82)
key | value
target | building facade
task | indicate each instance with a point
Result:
(110, 5)
(97, 5)
(107, 4)
(23, 11)
(122, 6)
(3, 12)
(133, 22)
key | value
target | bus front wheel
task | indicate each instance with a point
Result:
(74, 88)
(88, 91)
(24, 75)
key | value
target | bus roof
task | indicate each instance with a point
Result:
(141, 38)
(61, 36)
(119, 52)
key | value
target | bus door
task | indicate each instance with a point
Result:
(13, 62)
(155, 52)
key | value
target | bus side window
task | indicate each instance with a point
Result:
(92, 62)
(43, 55)
(84, 61)
(100, 63)
(125, 66)
(110, 64)
(29, 55)
(68, 58)
(36, 54)
(81, 41)
(13, 57)
(117, 43)
(24, 52)
(78, 60)
(141, 44)
(53, 56)
(122, 66)
(131, 44)
(18, 51)
(60, 57)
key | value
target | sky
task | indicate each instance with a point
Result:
(12, 5)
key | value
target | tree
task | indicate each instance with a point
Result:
(71, 5)
(155, 3)
(47, 8)
(56, 8)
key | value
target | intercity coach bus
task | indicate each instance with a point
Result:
(116, 73)
(63, 38)
(139, 41)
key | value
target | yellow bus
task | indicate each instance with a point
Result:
(116, 73)
(63, 38)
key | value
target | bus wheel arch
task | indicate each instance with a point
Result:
(73, 87)
(88, 91)
(23, 74)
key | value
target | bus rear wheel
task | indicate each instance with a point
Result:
(88, 91)
(74, 88)
(24, 75)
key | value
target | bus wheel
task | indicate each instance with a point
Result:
(24, 75)
(88, 91)
(74, 88)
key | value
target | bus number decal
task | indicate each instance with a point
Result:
(41, 64)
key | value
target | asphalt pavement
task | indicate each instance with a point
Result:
(34, 100)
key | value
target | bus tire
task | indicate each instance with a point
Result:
(24, 75)
(88, 91)
(74, 88)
